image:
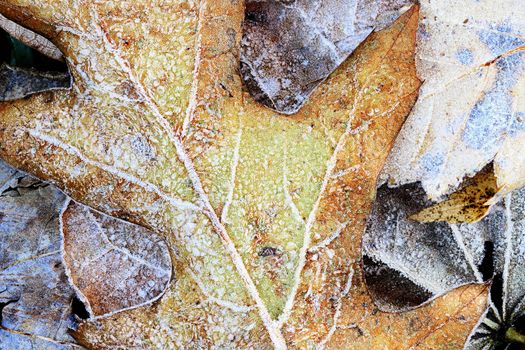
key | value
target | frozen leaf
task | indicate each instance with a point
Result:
(472, 105)
(467, 205)
(263, 214)
(114, 264)
(35, 297)
(505, 323)
(407, 262)
(290, 47)
(8, 176)
(17, 83)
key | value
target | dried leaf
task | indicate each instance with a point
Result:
(35, 297)
(27, 63)
(290, 47)
(114, 264)
(8, 176)
(408, 263)
(262, 214)
(469, 204)
(16, 83)
(471, 106)
(504, 324)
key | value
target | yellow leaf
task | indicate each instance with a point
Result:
(468, 205)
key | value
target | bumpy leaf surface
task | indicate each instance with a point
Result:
(263, 215)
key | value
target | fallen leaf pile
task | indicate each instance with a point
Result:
(212, 221)
(426, 260)
(35, 296)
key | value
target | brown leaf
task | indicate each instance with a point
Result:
(114, 264)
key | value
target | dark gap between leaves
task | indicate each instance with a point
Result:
(2, 306)
(487, 264)
(79, 309)
(25, 71)
(390, 288)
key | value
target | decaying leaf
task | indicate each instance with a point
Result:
(472, 106)
(8, 176)
(114, 264)
(35, 296)
(407, 263)
(263, 214)
(16, 83)
(290, 47)
(469, 204)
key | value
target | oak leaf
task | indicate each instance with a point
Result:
(289, 48)
(263, 214)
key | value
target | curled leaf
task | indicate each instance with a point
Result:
(31, 39)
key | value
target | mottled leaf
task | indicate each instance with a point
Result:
(114, 264)
(290, 47)
(472, 105)
(467, 205)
